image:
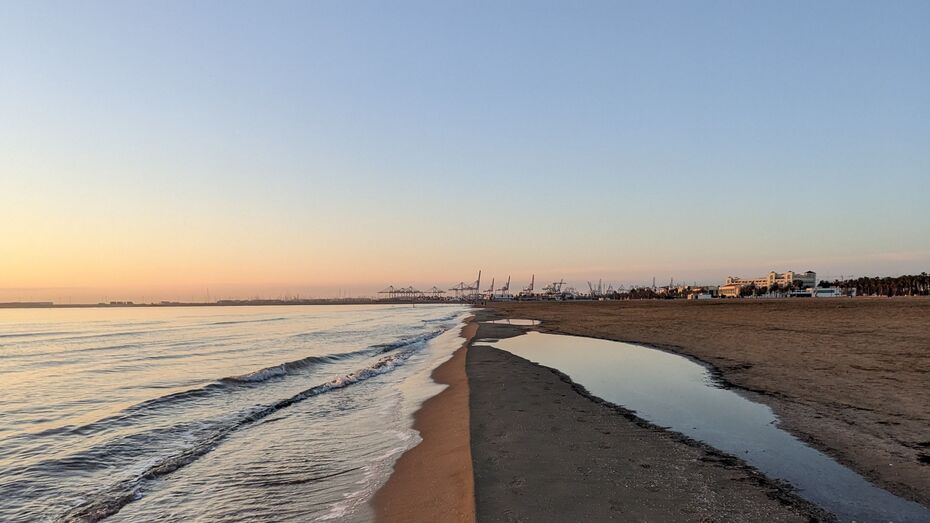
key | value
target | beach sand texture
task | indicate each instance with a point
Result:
(545, 451)
(849, 376)
(433, 481)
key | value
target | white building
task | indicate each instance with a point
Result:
(830, 292)
(785, 280)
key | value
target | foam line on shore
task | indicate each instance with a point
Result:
(442, 462)
(110, 500)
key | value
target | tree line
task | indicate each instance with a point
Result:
(905, 285)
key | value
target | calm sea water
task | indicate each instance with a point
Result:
(211, 413)
(675, 392)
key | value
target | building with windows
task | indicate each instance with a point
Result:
(787, 280)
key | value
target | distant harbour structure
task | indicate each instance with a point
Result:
(503, 293)
(467, 291)
(435, 293)
(788, 284)
(528, 291)
(460, 290)
(554, 289)
(402, 293)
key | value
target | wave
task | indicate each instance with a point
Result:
(234, 383)
(318, 334)
(33, 334)
(286, 368)
(234, 322)
(109, 501)
(443, 319)
(410, 340)
(141, 330)
(82, 335)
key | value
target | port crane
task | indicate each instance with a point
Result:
(464, 290)
(505, 289)
(554, 287)
(598, 291)
(528, 290)
(459, 289)
(490, 290)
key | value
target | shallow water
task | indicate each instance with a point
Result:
(211, 413)
(519, 322)
(675, 392)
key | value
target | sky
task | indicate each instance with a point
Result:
(195, 150)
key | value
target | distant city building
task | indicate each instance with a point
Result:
(730, 290)
(786, 280)
(830, 292)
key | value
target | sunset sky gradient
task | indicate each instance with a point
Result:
(179, 150)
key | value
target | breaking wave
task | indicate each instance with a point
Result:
(284, 369)
(231, 383)
(235, 322)
(109, 501)
(444, 319)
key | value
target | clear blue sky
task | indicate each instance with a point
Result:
(156, 147)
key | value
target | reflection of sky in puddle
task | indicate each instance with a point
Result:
(675, 392)
(519, 322)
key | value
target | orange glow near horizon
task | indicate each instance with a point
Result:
(315, 149)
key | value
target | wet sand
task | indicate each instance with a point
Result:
(544, 449)
(433, 481)
(849, 376)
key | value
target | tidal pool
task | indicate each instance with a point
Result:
(678, 393)
(518, 322)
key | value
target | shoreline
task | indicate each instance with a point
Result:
(545, 448)
(820, 374)
(442, 461)
(528, 443)
(223, 303)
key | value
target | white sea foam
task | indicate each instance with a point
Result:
(181, 413)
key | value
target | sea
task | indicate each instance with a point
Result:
(278, 413)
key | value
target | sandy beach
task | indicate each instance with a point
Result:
(433, 481)
(545, 450)
(849, 376)
(511, 440)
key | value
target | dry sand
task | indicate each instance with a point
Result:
(849, 376)
(433, 481)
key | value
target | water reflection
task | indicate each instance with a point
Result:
(518, 322)
(211, 413)
(675, 392)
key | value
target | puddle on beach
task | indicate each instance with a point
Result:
(520, 323)
(676, 392)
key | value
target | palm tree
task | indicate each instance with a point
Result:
(904, 285)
